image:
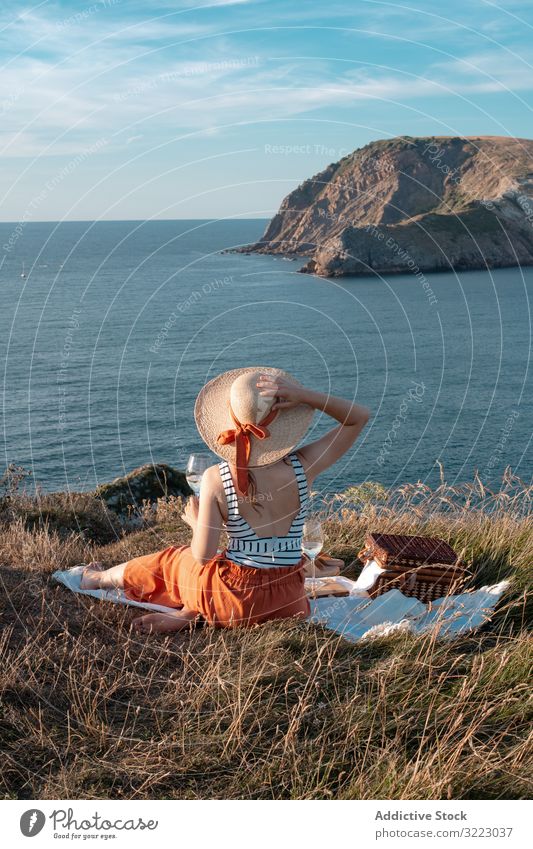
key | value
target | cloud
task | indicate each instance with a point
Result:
(57, 108)
(492, 71)
(68, 80)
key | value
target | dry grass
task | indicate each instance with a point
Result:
(285, 710)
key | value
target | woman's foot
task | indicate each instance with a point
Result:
(90, 577)
(163, 623)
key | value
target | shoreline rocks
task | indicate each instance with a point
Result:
(145, 483)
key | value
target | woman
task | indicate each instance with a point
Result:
(253, 418)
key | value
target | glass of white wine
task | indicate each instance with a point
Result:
(312, 541)
(196, 466)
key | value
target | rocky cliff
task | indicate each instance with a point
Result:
(428, 204)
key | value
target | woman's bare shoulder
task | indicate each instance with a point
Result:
(212, 477)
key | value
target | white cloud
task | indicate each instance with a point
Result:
(494, 71)
(98, 76)
(57, 106)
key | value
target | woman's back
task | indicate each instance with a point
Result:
(276, 501)
(265, 527)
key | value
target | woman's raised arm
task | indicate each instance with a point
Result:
(324, 452)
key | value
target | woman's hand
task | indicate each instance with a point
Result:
(288, 393)
(190, 514)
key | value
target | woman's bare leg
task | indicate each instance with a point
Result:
(96, 578)
(161, 623)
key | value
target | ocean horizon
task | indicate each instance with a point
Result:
(116, 325)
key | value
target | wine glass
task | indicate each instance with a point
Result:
(312, 540)
(196, 466)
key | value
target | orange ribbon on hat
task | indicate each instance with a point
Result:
(240, 435)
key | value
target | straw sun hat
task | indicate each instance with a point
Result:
(276, 433)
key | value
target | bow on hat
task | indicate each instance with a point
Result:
(240, 435)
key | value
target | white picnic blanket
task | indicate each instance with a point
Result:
(357, 616)
(71, 578)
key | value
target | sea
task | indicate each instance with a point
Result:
(109, 329)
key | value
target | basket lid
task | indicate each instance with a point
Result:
(403, 547)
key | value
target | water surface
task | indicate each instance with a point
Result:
(116, 326)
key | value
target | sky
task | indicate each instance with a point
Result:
(116, 109)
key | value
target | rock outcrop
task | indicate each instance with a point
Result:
(404, 204)
(147, 483)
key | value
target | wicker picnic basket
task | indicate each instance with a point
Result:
(425, 568)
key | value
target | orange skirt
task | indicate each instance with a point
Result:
(223, 592)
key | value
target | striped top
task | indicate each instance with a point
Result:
(245, 547)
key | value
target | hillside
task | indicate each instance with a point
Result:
(428, 204)
(282, 711)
